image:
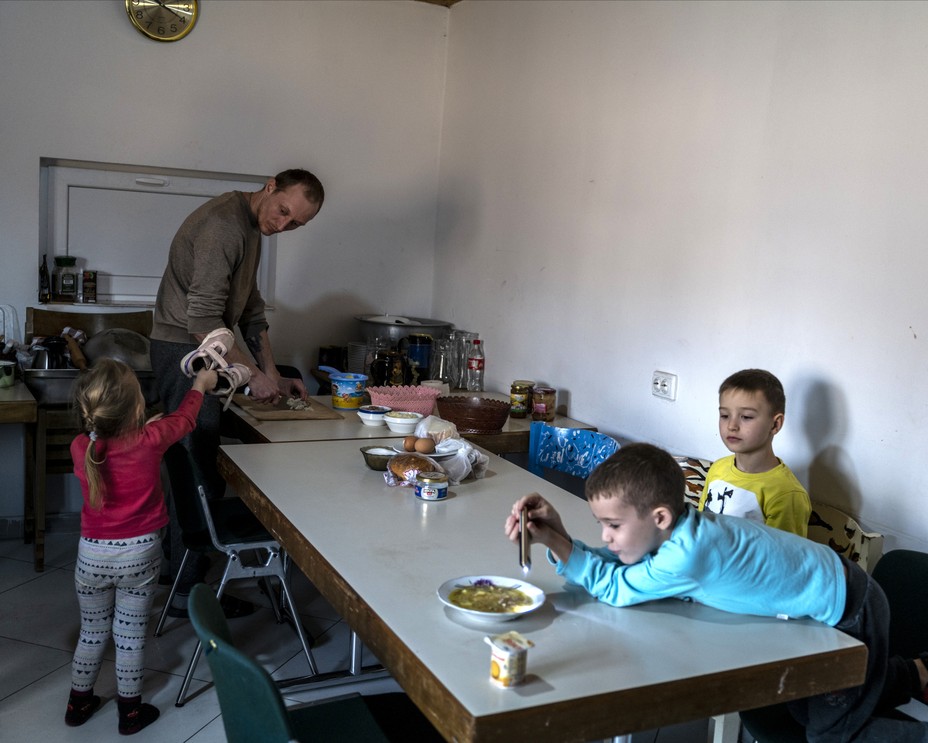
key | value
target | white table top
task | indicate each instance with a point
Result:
(351, 427)
(378, 554)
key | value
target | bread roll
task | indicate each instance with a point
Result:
(407, 466)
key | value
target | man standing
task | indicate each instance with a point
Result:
(209, 283)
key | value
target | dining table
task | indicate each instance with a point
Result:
(248, 423)
(378, 554)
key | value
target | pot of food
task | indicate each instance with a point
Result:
(397, 327)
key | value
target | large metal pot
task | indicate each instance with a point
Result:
(397, 327)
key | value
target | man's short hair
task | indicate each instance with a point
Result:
(312, 186)
(643, 475)
(758, 380)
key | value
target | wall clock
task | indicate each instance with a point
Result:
(163, 20)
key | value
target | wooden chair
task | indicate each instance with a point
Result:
(252, 708)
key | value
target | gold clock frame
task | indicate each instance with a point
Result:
(145, 15)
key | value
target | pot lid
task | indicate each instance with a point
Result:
(400, 320)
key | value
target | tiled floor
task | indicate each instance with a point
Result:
(38, 629)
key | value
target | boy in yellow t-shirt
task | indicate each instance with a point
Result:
(753, 483)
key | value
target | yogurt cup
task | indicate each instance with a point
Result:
(508, 657)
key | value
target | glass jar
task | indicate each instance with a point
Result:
(520, 398)
(65, 284)
(543, 403)
(432, 485)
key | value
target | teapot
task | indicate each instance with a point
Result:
(390, 369)
(51, 353)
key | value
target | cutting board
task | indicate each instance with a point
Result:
(282, 412)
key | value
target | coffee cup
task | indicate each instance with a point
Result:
(7, 373)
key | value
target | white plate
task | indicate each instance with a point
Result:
(436, 455)
(533, 592)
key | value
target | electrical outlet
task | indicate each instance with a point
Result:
(664, 385)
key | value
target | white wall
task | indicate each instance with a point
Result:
(694, 187)
(701, 187)
(349, 90)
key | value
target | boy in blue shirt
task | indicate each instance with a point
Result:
(753, 483)
(658, 548)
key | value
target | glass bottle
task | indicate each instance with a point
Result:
(45, 283)
(475, 364)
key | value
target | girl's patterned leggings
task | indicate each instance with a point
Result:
(116, 581)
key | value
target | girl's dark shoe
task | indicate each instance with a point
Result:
(81, 705)
(135, 715)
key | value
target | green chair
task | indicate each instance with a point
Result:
(253, 710)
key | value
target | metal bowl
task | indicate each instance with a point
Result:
(376, 457)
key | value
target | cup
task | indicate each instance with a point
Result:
(436, 384)
(7, 373)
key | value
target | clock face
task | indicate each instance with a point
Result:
(163, 20)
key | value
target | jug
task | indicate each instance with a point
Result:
(390, 369)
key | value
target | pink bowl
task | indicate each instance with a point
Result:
(410, 398)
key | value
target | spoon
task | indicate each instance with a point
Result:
(525, 557)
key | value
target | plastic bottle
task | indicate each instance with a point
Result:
(45, 287)
(475, 364)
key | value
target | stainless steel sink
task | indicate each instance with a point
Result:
(53, 386)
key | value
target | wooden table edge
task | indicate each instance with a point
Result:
(582, 719)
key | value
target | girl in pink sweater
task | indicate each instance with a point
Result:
(117, 459)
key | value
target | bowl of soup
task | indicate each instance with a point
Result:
(491, 598)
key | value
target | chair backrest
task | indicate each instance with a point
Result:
(828, 525)
(572, 450)
(695, 471)
(251, 705)
(903, 576)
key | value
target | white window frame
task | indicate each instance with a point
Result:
(65, 183)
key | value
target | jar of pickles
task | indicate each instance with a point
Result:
(520, 398)
(543, 403)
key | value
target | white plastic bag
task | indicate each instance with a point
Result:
(466, 460)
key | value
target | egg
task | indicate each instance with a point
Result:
(425, 446)
(409, 443)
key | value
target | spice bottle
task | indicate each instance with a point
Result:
(475, 364)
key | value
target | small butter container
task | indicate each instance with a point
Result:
(508, 658)
(432, 485)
